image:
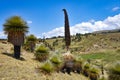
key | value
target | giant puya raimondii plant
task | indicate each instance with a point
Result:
(15, 27)
(67, 30)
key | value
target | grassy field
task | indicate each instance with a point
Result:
(109, 55)
(106, 57)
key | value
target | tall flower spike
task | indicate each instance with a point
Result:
(67, 30)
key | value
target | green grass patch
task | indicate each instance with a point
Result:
(107, 56)
(95, 55)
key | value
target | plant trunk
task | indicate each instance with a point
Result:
(17, 51)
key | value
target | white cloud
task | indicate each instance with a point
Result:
(92, 20)
(86, 27)
(116, 8)
(113, 22)
(55, 32)
(2, 35)
(29, 22)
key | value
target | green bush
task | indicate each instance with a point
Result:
(57, 62)
(102, 78)
(26, 46)
(94, 73)
(41, 53)
(118, 50)
(55, 59)
(78, 64)
(86, 69)
(114, 72)
(30, 42)
(115, 69)
(87, 66)
(94, 70)
(79, 61)
(47, 67)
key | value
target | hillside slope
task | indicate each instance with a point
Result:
(26, 68)
(88, 42)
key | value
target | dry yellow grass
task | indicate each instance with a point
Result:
(12, 69)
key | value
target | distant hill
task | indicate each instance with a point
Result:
(108, 31)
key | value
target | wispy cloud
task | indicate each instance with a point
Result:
(86, 27)
(29, 22)
(2, 35)
(55, 32)
(116, 8)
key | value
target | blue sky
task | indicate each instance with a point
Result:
(45, 17)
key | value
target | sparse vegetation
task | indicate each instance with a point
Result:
(86, 69)
(28, 69)
(30, 43)
(94, 73)
(82, 60)
(41, 53)
(47, 67)
(114, 71)
(55, 59)
(78, 64)
(57, 62)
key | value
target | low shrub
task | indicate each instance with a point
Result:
(87, 66)
(118, 50)
(41, 53)
(78, 63)
(55, 59)
(94, 70)
(30, 43)
(47, 67)
(102, 78)
(114, 72)
(116, 69)
(57, 62)
(94, 74)
(67, 67)
(86, 69)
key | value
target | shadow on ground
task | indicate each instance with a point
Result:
(12, 55)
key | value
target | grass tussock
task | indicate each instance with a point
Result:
(115, 69)
(41, 53)
(47, 67)
(114, 72)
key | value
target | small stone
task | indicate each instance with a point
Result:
(0, 64)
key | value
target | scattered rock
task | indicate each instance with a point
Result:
(0, 64)
(68, 56)
(4, 42)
